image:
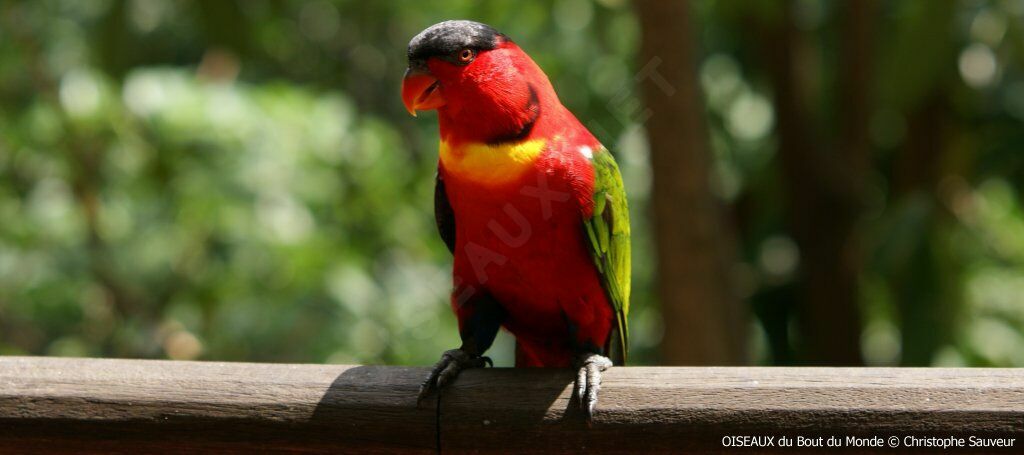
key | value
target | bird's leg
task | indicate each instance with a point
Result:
(588, 380)
(445, 370)
(480, 317)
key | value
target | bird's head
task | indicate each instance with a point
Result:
(477, 78)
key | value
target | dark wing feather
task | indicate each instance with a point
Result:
(443, 214)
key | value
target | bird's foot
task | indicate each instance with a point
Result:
(452, 362)
(588, 381)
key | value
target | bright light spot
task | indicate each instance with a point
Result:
(750, 117)
(978, 65)
(727, 180)
(881, 344)
(779, 256)
(587, 152)
(573, 15)
(996, 342)
(720, 79)
(353, 289)
(144, 93)
(146, 15)
(997, 215)
(612, 4)
(948, 357)
(50, 201)
(286, 219)
(997, 290)
(182, 345)
(79, 93)
(227, 109)
(988, 27)
(757, 345)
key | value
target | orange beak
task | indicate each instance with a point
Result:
(421, 91)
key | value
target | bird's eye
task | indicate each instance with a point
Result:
(466, 55)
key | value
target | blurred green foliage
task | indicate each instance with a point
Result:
(239, 180)
(941, 270)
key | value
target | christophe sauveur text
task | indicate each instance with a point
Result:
(866, 441)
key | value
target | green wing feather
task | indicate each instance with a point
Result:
(608, 231)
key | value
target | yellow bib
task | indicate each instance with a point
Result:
(491, 165)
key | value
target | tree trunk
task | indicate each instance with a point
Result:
(823, 189)
(925, 282)
(705, 322)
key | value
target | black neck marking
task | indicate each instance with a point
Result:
(533, 107)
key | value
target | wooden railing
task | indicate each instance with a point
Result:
(86, 405)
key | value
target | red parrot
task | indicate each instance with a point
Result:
(530, 204)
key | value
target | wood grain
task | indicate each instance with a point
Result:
(674, 409)
(101, 405)
(84, 404)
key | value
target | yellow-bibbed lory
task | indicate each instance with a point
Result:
(530, 204)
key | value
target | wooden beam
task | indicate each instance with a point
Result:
(91, 405)
(104, 404)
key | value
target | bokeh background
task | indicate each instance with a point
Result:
(832, 182)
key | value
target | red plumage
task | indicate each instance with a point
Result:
(523, 240)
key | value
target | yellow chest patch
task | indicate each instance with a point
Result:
(491, 164)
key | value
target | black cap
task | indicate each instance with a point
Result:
(446, 38)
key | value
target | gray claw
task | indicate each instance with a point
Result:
(447, 369)
(588, 381)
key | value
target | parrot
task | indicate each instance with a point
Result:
(531, 206)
